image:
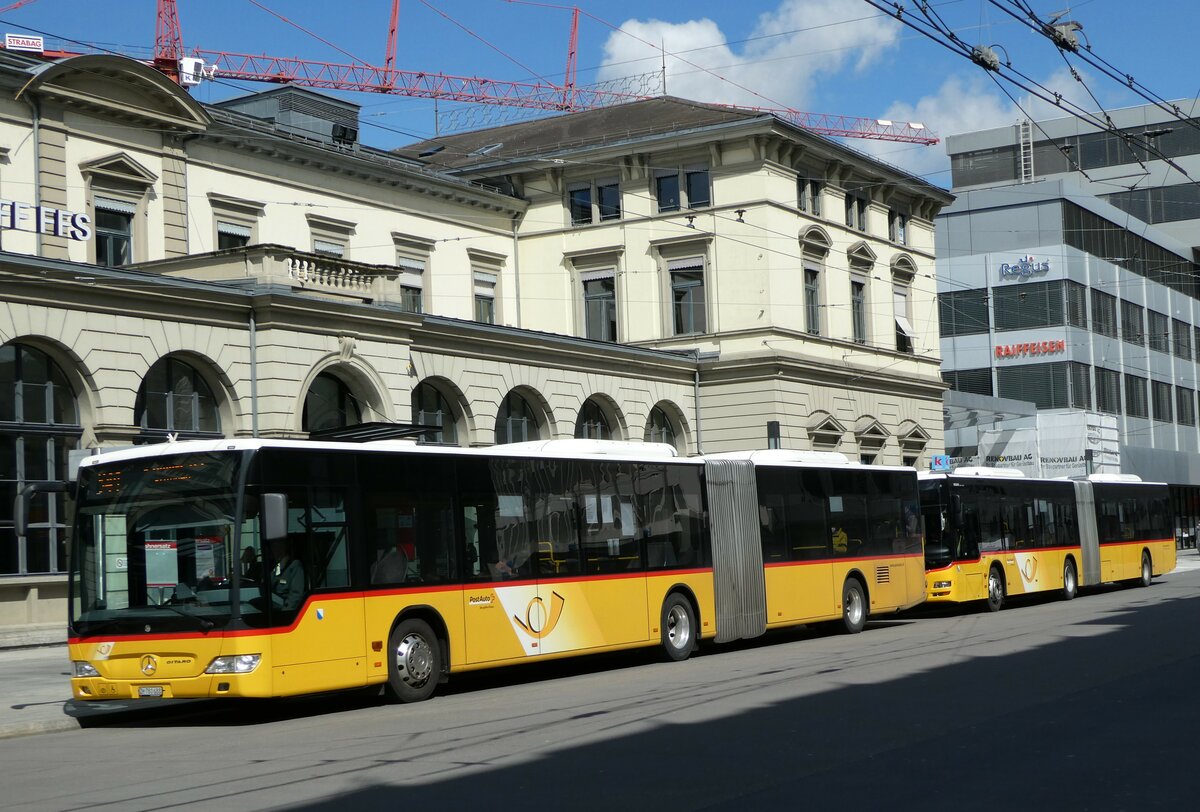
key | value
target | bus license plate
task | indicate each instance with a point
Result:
(150, 690)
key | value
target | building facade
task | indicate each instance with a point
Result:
(1051, 296)
(1151, 178)
(251, 269)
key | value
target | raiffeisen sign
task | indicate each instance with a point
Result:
(1023, 269)
(1031, 348)
(17, 216)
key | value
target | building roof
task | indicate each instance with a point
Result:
(587, 128)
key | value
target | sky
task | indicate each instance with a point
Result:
(821, 56)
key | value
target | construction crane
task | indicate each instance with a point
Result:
(200, 65)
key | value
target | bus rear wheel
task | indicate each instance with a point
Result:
(678, 624)
(854, 606)
(995, 586)
(1070, 581)
(414, 661)
(1147, 572)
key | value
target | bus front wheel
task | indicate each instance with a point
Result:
(854, 606)
(995, 595)
(1070, 581)
(678, 624)
(414, 662)
(1147, 571)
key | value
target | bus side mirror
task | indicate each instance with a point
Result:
(274, 516)
(25, 497)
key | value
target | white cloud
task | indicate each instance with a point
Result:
(788, 51)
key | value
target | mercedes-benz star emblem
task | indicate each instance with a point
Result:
(149, 665)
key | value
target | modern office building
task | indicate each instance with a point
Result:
(667, 271)
(1053, 297)
(1153, 179)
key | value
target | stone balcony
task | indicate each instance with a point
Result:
(314, 274)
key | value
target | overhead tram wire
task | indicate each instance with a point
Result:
(989, 62)
(1048, 30)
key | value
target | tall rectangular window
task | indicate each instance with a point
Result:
(905, 336)
(898, 227)
(688, 306)
(579, 203)
(1185, 406)
(699, 190)
(485, 296)
(858, 310)
(1081, 389)
(1159, 336)
(1133, 329)
(1108, 390)
(1077, 305)
(1181, 334)
(412, 284)
(114, 232)
(1160, 401)
(608, 199)
(1135, 396)
(600, 305)
(808, 195)
(856, 212)
(812, 301)
(1104, 313)
(666, 191)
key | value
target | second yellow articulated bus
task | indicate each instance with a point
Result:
(993, 533)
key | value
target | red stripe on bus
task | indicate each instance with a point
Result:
(342, 596)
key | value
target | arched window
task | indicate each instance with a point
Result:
(329, 404)
(592, 423)
(430, 408)
(39, 425)
(659, 428)
(516, 421)
(174, 398)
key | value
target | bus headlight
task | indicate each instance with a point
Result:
(942, 584)
(234, 664)
(84, 669)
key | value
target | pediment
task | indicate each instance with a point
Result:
(862, 253)
(119, 166)
(119, 88)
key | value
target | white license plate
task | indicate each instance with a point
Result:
(150, 690)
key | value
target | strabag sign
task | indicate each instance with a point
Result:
(24, 42)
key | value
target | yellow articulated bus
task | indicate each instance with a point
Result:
(992, 533)
(251, 568)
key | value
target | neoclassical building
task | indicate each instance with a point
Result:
(665, 271)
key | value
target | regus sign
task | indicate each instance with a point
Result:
(1023, 268)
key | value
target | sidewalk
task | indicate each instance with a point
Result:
(37, 685)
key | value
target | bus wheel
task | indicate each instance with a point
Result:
(1147, 572)
(854, 606)
(995, 596)
(678, 624)
(1070, 582)
(415, 661)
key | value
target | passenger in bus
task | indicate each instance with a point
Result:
(841, 542)
(287, 580)
(251, 566)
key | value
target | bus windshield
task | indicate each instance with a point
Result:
(154, 545)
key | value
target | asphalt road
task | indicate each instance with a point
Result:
(1089, 704)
